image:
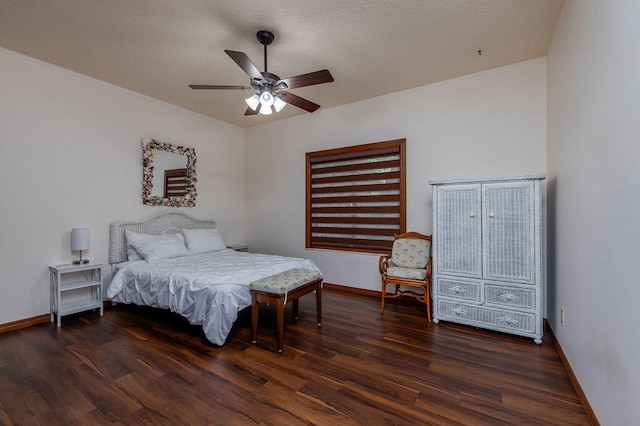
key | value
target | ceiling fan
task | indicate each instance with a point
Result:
(270, 89)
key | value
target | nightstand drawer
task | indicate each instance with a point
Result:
(459, 289)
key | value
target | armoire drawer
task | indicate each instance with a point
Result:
(491, 317)
(519, 297)
(459, 289)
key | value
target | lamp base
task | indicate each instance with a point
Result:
(80, 262)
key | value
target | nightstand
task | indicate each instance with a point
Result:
(239, 247)
(64, 278)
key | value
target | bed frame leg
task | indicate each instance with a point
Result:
(319, 303)
(255, 309)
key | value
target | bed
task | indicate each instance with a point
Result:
(176, 262)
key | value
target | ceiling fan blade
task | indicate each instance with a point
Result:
(210, 86)
(250, 111)
(303, 80)
(303, 103)
(245, 63)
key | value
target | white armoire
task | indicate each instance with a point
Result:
(487, 254)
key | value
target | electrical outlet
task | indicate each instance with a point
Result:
(561, 316)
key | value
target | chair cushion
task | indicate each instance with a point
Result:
(411, 273)
(285, 281)
(410, 253)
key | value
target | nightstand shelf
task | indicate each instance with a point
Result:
(78, 284)
(65, 278)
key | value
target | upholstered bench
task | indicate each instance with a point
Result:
(281, 288)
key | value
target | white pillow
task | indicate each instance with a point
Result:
(203, 240)
(156, 247)
(132, 254)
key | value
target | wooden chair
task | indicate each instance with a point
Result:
(409, 265)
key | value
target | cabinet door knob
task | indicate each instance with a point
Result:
(492, 215)
(472, 214)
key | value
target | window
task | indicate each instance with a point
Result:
(356, 197)
(175, 183)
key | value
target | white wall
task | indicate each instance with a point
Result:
(594, 171)
(71, 156)
(488, 124)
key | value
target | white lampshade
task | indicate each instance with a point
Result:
(253, 102)
(266, 99)
(265, 110)
(80, 239)
(278, 104)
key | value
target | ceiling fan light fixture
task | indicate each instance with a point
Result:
(278, 104)
(253, 102)
(266, 99)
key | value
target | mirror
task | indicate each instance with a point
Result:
(169, 174)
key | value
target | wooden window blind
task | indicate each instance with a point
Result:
(356, 197)
(175, 183)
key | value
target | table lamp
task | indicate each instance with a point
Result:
(79, 242)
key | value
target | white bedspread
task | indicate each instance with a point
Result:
(208, 289)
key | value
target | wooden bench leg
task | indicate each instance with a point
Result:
(295, 309)
(280, 316)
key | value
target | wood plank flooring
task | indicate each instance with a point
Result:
(139, 365)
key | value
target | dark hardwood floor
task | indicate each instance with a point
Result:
(139, 365)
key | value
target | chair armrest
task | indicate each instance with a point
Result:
(383, 264)
(428, 275)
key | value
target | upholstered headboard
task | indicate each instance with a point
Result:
(161, 223)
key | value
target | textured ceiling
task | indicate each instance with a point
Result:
(372, 47)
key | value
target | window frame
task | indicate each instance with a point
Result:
(396, 146)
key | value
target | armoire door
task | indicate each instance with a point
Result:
(508, 231)
(459, 211)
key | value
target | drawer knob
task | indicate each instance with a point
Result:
(459, 290)
(492, 215)
(509, 297)
(508, 320)
(459, 311)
